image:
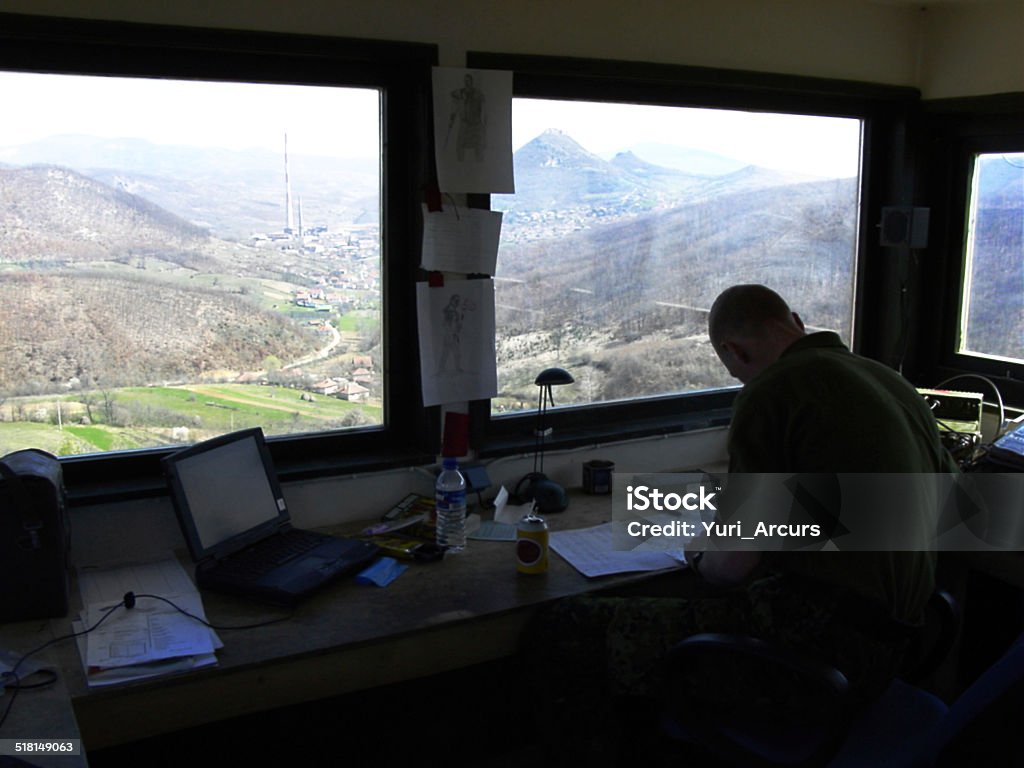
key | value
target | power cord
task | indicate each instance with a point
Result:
(128, 602)
(131, 597)
(16, 686)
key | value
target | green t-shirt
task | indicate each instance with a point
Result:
(821, 408)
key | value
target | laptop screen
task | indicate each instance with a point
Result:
(225, 493)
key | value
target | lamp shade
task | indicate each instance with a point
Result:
(553, 377)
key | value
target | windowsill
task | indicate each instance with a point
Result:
(131, 485)
(578, 435)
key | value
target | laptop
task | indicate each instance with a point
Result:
(238, 529)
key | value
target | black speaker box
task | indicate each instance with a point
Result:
(905, 226)
(34, 537)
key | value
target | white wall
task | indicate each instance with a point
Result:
(962, 48)
(973, 48)
(804, 36)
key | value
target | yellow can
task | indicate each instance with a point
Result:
(532, 544)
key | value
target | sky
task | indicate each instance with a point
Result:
(332, 122)
(343, 122)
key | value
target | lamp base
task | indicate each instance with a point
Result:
(549, 496)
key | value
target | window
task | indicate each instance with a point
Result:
(613, 248)
(629, 219)
(992, 303)
(204, 230)
(186, 258)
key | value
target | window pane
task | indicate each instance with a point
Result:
(993, 303)
(180, 258)
(627, 222)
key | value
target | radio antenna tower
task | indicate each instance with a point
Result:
(290, 216)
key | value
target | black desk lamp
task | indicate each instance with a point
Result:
(548, 495)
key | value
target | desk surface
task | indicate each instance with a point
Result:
(39, 714)
(467, 609)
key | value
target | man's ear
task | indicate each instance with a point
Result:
(798, 321)
(738, 351)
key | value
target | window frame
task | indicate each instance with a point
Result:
(962, 129)
(884, 110)
(402, 73)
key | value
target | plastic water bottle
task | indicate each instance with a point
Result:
(451, 506)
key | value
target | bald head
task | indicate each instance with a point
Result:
(750, 326)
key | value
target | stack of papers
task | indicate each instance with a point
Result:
(151, 639)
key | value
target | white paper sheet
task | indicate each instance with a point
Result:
(109, 584)
(457, 357)
(473, 130)
(151, 631)
(460, 239)
(589, 551)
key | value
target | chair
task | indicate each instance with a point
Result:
(983, 724)
(932, 644)
(901, 728)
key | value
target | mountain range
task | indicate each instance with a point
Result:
(554, 172)
(232, 193)
(617, 243)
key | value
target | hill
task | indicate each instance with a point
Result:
(113, 331)
(798, 236)
(51, 214)
(695, 161)
(562, 187)
(623, 305)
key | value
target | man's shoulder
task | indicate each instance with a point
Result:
(820, 355)
(817, 371)
(791, 370)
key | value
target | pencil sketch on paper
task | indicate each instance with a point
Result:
(453, 317)
(470, 112)
(473, 130)
(457, 341)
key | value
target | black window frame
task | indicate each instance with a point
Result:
(402, 72)
(958, 130)
(886, 112)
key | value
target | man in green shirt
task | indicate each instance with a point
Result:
(809, 405)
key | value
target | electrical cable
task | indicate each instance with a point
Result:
(128, 603)
(14, 670)
(132, 597)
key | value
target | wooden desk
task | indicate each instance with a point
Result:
(45, 713)
(465, 610)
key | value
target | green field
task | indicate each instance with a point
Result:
(357, 320)
(141, 417)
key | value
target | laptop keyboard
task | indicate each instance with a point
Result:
(269, 554)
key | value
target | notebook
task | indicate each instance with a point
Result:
(238, 529)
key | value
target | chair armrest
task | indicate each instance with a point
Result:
(693, 648)
(760, 673)
(935, 639)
